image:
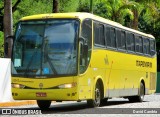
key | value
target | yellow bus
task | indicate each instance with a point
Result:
(80, 56)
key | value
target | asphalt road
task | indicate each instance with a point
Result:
(122, 107)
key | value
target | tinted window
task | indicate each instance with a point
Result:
(99, 34)
(139, 44)
(121, 39)
(113, 37)
(46, 48)
(87, 31)
(152, 47)
(146, 49)
(86, 43)
(110, 37)
(130, 42)
(118, 33)
(107, 35)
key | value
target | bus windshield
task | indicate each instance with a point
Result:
(45, 48)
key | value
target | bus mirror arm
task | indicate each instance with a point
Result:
(82, 39)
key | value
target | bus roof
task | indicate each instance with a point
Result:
(82, 15)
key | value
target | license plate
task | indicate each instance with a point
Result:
(41, 94)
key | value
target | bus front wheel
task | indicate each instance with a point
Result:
(43, 104)
(96, 101)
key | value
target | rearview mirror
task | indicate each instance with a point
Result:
(85, 47)
(153, 52)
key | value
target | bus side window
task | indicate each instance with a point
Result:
(130, 42)
(137, 43)
(141, 44)
(85, 44)
(99, 34)
(139, 48)
(121, 39)
(118, 33)
(113, 37)
(146, 48)
(152, 47)
(107, 35)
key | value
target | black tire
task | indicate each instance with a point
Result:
(43, 104)
(104, 101)
(97, 101)
(140, 97)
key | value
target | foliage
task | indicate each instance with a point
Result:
(149, 18)
(30, 7)
(83, 6)
(1, 44)
(102, 9)
(68, 5)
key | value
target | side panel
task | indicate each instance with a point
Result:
(122, 73)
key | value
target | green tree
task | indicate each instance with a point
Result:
(149, 19)
(1, 44)
(115, 10)
(68, 5)
(102, 9)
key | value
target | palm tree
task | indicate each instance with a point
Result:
(120, 9)
(152, 13)
(149, 9)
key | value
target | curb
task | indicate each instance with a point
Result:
(17, 103)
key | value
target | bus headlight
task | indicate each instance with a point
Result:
(19, 86)
(67, 86)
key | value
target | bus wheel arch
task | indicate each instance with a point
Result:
(141, 93)
(98, 94)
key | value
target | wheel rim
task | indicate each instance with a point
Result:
(97, 97)
(142, 92)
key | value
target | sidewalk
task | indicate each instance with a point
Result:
(17, 103)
